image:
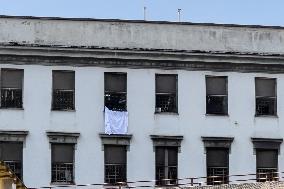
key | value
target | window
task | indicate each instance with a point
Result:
(115, 164)
(62, 168)
(12, 154)
(265, 96)
(115, 91)
(166, 93)
(266, 165)
(216, 95)
(63, 90)
(166, 165)
(217, 166)
(12, 88)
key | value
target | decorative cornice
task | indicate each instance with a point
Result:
(15, 136)
(62, 137)
(267, 143)
(217, 142)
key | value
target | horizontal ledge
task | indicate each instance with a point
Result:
(228, 139)
(276, 140)
(69, 134)
(166, 137)
(124, 136)
(10, 132)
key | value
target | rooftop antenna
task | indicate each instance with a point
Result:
(145, 12)
(179, 12)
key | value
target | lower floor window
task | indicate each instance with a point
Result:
(62, 170)
(115, 164)
(166, 165)
(266, 165)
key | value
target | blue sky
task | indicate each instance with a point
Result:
(257, 12)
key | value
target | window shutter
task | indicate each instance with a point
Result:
(216, 85)
(115, 82)
(12, 78)
(166, 83)
(63, 80)
(172, 154)
(217, 157)
(160, 155)
(11, 151)
(115, 154)
(62, 153)
(267, 158)
(265, 87)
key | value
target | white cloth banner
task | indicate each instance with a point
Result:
(116, 122)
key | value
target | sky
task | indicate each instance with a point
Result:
(251, 12)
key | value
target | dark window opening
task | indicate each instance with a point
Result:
(266, 165)
(166, 93)
(115, 164)
(115, 91)
(166, 166)
(63, 90)
(11, 88)
(266, 101)
(62, 168)
(217, 166)
(12, 154)
(216, 95)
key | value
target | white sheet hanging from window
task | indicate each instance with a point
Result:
(116, 122)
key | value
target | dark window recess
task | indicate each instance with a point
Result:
(115, 91)
(166, 165)
(11, 88)
(115, 164)
(63, 90)
(217, 166)
(62, 168)
(216, 95)
(166, 93)
(266, 101)
(266, 165)
(12, 154)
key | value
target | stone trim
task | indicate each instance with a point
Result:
(267, 143)
(62, 137)
(13, 136)
(217, 142)
(164, 140)
(116, 139)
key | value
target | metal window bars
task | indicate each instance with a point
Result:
(115, 101)
(166, 102)
(265, 105)
(217, 175)
(16, 167)
(11, 98)
(63, 99)
(115, 173)
(166, 175)
(267, 174)
(217, 104)
(62, 173)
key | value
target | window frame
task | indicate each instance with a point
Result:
(268, 173)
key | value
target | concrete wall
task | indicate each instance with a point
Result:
(141, 35)
(191, 122)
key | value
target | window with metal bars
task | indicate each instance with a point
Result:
(62, 163)
(115, 164)
(12, 154)
(166, 165)
(115, 91)
(12, 88)
(266, 165)
(166, 93)
(63, 94)
(265, 96)
(217, 166)
(216, 95)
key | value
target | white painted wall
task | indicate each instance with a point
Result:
(191, 122)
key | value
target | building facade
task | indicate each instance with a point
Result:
(202, 100)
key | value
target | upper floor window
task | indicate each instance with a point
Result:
(12, 88)
(265, 96)
(62, 168)
(267, 165)
(115, 91)
(216, 95)
(63, 94)
(166, 93)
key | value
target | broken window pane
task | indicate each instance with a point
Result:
(63, 90)
(266, 101)
(217, 166)
(166, 165)
(267, 165)
(216, 95)
(115, 164)
(115, 91)
(11, 88)
(166, 93)
(62, 163)
(12, 154)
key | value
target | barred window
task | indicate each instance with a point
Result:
(115, 164)
(217, 166)
(62, 168)
(12, 154)
(166, 165)
(266, 165)
(63, 97)
(216, 95)
(266, 101)
(115, 91)
(166, 93)
(12, 88)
